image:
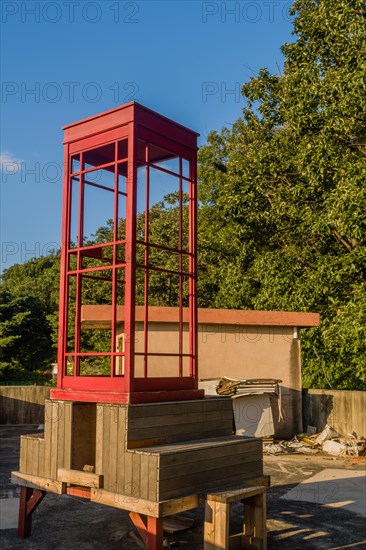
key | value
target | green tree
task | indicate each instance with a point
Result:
(289, 181)
(25, 339)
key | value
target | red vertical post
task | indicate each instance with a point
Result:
(113, 357)
(193, 267)
(62, 333)
(24, 519)
(130, 259)
(180, 246)
(146, 261)
(155, 536)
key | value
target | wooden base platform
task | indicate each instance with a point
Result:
(148, 516)
(151, 459)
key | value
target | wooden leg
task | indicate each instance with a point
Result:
(150, 530)
(216, 527)
(29, 500)
(155, 536)
(255, 532)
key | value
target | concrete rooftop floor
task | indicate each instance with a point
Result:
(327, 512)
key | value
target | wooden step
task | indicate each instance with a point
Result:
(197, 466)
(203, 444)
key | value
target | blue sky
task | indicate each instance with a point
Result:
(62, 61)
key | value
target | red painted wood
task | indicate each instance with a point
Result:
(155, 537)
(89, 396)
(150, 530)
(82, 492)
(24, 521)
(28, 502)
(140, 522)
(135, 397)
(34, 500)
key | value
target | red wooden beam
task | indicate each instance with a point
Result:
(140, 522)
(28, 502)
(150, 530)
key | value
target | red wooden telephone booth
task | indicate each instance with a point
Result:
(129, 230)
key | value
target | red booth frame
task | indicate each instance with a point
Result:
(137, 124)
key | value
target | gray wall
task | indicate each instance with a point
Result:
(23, 404)
(343, 410)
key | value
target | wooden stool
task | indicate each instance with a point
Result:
(217, 518)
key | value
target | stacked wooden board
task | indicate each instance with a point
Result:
(155, 452)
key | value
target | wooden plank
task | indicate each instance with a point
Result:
(67, 435)
(179, 438)
(32, 459)
(124, 502)
(176, 419)
(48, 438)
(144, 476)
(176, 524)
(41, 444)
(215, 474)
(108, 482)
(23, 454)
(136, 471)
(121, 449)
(182, 432)
(140, 443)
(177, 505)
(255, 532)
(216, 526)
(77, 477)
(99, 439)
(56, 415)
(264, 481)
(61, 436)
(153, 478)
(128, 488)
(186, 485)
(178, 449)
(192, 465)
(236, 495)
(165, 409)
(37, 482)
(113, 446)
(206, 467)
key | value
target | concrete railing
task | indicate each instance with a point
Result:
(23, 404)
(344, 410)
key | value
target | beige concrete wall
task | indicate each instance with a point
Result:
(23, 404)
(344, 410)
(237, 351)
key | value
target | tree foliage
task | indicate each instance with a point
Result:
(287, 181)
(25, 337)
